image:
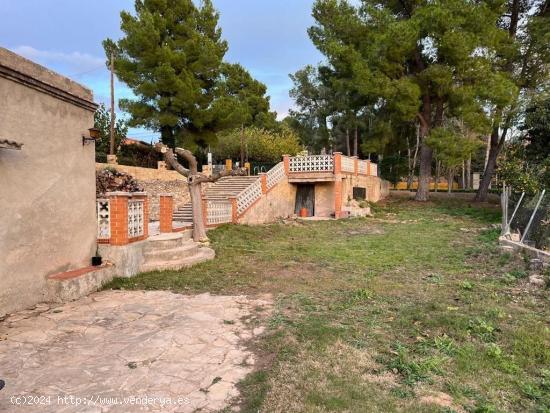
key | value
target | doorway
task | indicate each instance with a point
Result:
(305, 198)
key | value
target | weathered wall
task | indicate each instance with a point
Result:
(277, 203)
(145, 174)
(324, 199)
(376, 187)
(156, 182)
(47, 189)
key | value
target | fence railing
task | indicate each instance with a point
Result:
(248, 196)
(103, 219)
(275, 175)
(219, 212)
(363, 167)
(526, 218)
(311, 163)
(348, 164)
(373, 169)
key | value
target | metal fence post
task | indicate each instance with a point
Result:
(532, 216)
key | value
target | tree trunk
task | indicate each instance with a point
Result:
(194, 181)
(348, 143)
(469, 173)
(426, 153)
(355, 141)
(450, 181)
(199, 227)
(425, 173)
(496, 145)
(437, 174)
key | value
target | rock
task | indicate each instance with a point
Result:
(535, 264)
(537, 280)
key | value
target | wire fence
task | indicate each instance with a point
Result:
(526, 218)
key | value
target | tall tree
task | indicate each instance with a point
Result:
(423, 60)
(170, 57)
(311, 93)
(526, 61)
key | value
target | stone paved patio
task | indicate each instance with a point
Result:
(114, 348)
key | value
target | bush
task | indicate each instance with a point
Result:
(262, 146)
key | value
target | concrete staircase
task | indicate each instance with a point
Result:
(172, 252)
(223, 189)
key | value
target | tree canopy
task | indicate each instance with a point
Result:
(171, 56)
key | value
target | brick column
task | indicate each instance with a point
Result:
(338, 197)
(368, 167)
(263, 177)
(356, 165)
(286, 163)
(166, 213)
(337, 162)
(118, 209)
(204, 205)
(234, 212)
(143, 196)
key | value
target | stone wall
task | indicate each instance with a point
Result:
(47, 220)
(156, 182)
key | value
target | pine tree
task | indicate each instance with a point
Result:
(419, 60)
(170, 57)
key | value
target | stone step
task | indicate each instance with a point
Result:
(188, 249)
(72, 285)
(203, 254)
(167, 241)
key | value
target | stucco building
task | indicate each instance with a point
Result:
(47, 185)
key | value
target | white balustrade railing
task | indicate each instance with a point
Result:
(363, 168)
(219, 212)
(103, 219)
(373, 169)
(135, 218)
(311, 163)
(275, 175)
(248, 196)
(348, 164)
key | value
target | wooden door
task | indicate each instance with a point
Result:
(305, 198)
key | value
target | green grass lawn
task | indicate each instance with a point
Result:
(413, 310)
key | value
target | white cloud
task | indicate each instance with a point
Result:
(70, 63)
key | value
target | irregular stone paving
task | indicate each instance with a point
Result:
(115, 351)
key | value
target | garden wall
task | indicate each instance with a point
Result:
(156, 182)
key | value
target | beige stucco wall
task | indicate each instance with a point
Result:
(324, 199)
(277, 203)
(376, 189)
(47, 189)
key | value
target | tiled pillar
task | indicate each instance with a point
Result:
(263, 177)
(338, 197)
(356, 165)
(166, 213)
(228, 164)
(143, 196)
(234, 212)
(118, 209)
(286, 163)
(337, 163)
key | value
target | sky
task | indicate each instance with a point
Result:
(268, 37)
